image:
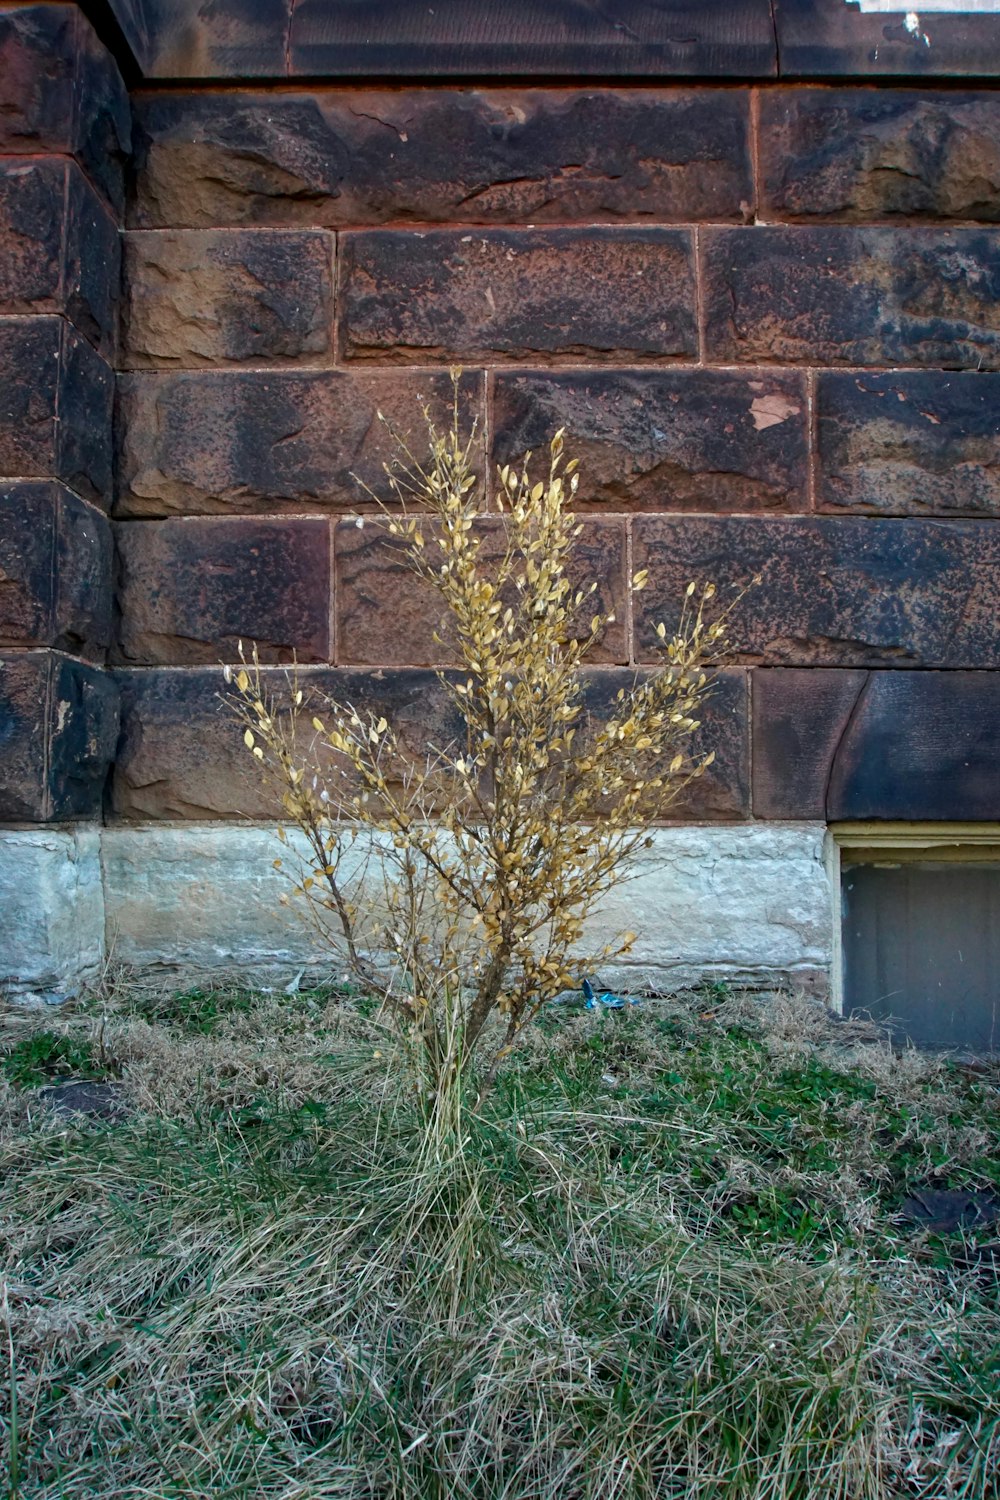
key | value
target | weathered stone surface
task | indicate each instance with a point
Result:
(63, 93)
(854, 153)
(846, 295)
(347, 157)
(216, 297)
(55, 570)
(83, 737)
(911, 443)
(24, 704)
(723, 793)
(601, 294)
(274, 441)
(102, 1100)
(51, 909)
(56, 399)
(232, 39)
(892, 745)
(182, 754)
(191, 590)
(747, 905)
(388, 617)
(831, 41)
(705, 440)
(58, 246)
(834, 591)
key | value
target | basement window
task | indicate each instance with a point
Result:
(920, 931)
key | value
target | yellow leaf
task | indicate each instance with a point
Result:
(248, 739)
(319, 726)
(537, 492)
(242, 680)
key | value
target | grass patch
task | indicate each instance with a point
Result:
(666, 1262)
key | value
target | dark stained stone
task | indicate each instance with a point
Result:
(191, 590)
(940, 1210)
(347, 157)
(58, 729)
(182, 753)
(705, 440)
(92, 275)
(909, 443)
(86, 1096)
(723, 793)
(846, 295)
(272, 441)
(876, 745)
(386, 616)
(62, 93)
(217, 297)
(56, 399)
(24, 706)
(854, 153)
(188, 39)
(601, 294)
(828, 39)
(834, 591)
(55, 569)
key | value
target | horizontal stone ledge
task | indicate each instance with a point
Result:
(52, 920)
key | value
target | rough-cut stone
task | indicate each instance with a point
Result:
(844, 295)
(51, 909)
(705, 440)
(182, 754)
(911, 443)
(24, 705)
(63, 93)
(217, 297)
(878, 745)
(58, 728)
(347, 157)
(722, 794)
(602, 294)
(55, 570)
(273, 441)
(387, 617)
(191, 590)
(853, 153)
(58, 246)
(56, 399)
(748, 905)
(834, 591)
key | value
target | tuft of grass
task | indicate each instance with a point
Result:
(661, 1261)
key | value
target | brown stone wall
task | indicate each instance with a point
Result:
(64, 145)
(769, 319)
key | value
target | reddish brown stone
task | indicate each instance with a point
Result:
(347, 157)
(191, 590)
(597, 294)
(705, 440)
(182, 753)
(217, 297)
(722, 794)
(275, 441)
(841, 591)
(852, 153)
(55, 406)
(844, 295)
(55, 570)
(58, 729)
(387, 616)
(876, 745)
(920, 442)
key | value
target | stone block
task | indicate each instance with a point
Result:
(190, 590)
(386, 616)
(24, 724)
(58, 727)
(853, 153)
(182, 755)
(56, 397)
(722, 794)
(844, 295)
(273, 441)
(341, 158)
(55, 569)
(946, 41)
(876, 745)
(63, 94)
(703, 440)
(912, 443)
(220, 297)
(51, 910)
(58, 246)
(834, 591)
(605, 294)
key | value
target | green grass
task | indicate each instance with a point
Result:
(665, 1262)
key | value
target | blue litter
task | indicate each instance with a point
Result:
(605, 999)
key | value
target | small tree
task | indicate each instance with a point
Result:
(457, 888)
